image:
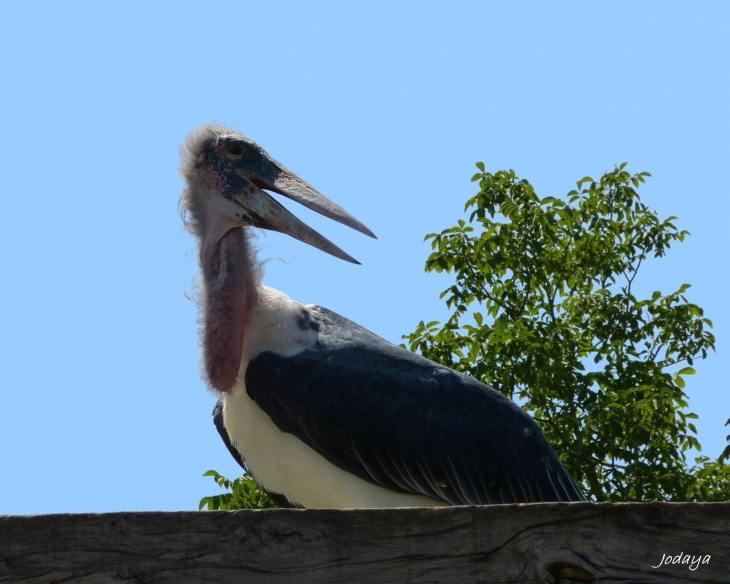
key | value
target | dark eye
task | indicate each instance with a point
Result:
(235, 150)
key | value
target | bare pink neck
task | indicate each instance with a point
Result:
(228, 294)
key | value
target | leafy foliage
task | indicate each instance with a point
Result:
(544, 311)
(243, 493)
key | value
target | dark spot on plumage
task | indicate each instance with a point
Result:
(302, 321)
(305, 321)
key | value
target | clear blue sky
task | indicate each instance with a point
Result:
(383, 106)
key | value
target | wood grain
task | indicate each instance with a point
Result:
(543, 542)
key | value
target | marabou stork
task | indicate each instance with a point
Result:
(322, 412)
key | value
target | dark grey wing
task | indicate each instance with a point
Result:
(277, 498)
(401, 421)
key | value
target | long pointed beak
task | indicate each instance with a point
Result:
(290, 185)
(264, 211)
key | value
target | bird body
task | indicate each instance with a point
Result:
(321, 411)
(279, 461)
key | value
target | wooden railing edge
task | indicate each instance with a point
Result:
(542, 542)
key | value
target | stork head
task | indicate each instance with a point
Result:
(226, 175)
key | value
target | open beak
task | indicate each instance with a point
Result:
(246, 189)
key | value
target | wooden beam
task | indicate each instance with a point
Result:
(545, 542)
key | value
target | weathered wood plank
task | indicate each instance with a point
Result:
(547, 542)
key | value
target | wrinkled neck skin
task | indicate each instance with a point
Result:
(228, 293)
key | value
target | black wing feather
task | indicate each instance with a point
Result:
(401, 421)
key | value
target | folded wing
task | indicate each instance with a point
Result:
(401, 421)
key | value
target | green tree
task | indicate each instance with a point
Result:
(544, 310)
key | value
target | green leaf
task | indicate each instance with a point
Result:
(244, 494)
